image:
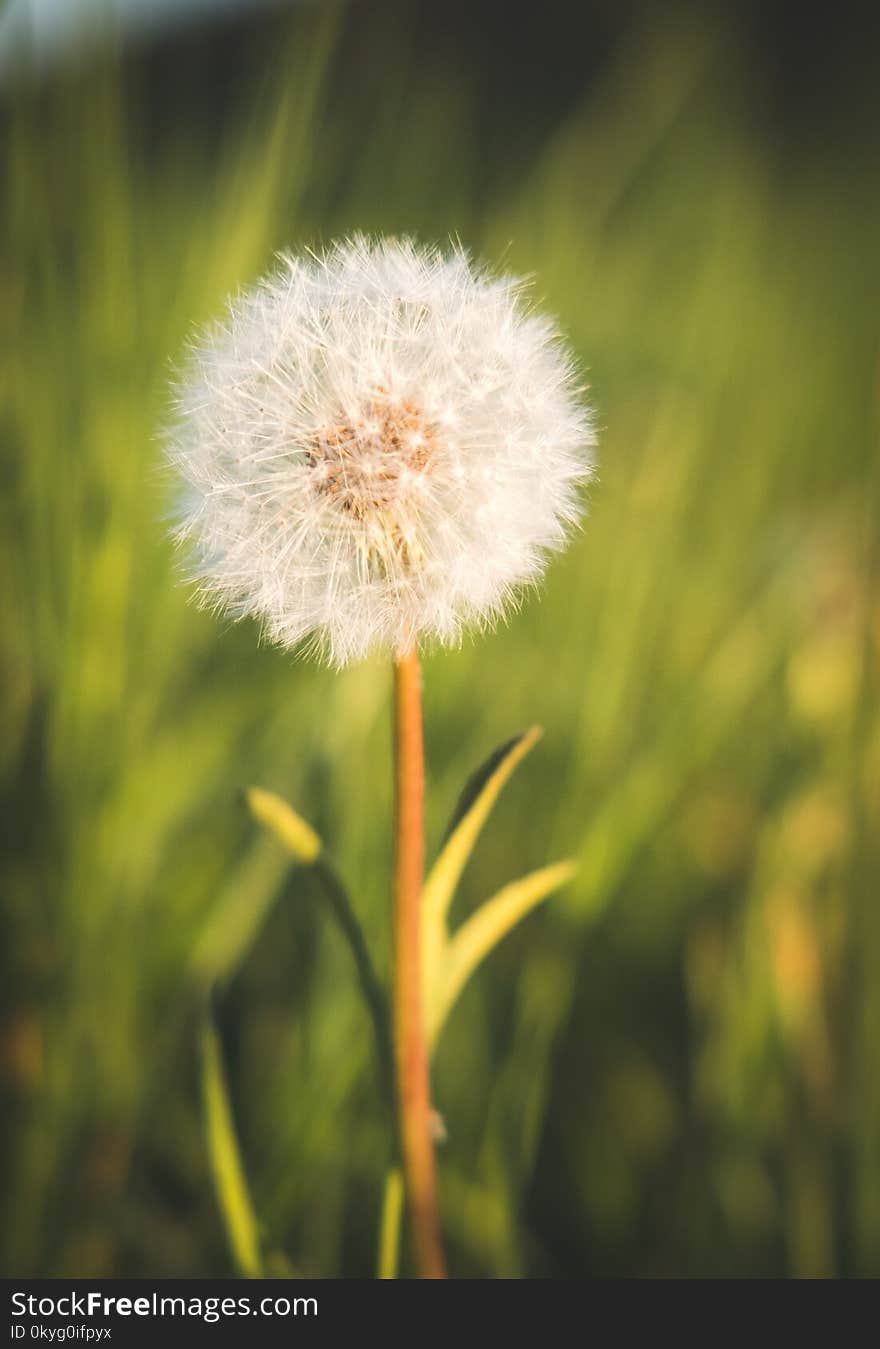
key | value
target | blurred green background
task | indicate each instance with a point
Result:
(673, 1068)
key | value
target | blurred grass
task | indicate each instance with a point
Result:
(672, 1068)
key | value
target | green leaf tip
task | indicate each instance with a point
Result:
(448, 962)
(291, 830)
(471, 812)
(227, 1168)
(512, 750)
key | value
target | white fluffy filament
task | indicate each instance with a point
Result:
(380, 445)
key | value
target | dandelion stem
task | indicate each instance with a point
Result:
(410, 1038)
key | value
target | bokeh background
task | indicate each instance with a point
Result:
(673, 1068)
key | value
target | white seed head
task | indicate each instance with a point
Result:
(379, 445)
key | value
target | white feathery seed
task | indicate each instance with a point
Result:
(379, 445)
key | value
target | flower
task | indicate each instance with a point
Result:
(380, 444)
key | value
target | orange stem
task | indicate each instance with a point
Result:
(410, 1041)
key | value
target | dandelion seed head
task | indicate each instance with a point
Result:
(379, 445)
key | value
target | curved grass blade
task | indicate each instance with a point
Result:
(482, 932)
(306, 847)
(261, 884)
(488, 771)
(297, 836)
(471, 812)
(227, 1170)
(373, 993)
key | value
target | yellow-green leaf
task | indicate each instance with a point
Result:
(298, 837)
(482, 932)
(471, 813)
(389, 1232)
(230, 1183)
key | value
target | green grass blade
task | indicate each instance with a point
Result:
(373, 993)
(491, 775)
(291, 830)
(482, 932)
(473, 809)
(389, 1230)
(260, 885)
(302, 842)
(227, 1169)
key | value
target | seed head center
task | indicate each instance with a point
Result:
(365, 463)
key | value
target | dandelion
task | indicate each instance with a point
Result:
(380, 446)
